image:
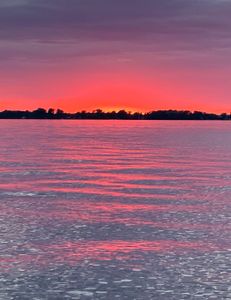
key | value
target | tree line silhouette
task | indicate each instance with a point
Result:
(99, 114)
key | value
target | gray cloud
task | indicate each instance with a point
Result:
(35, 28)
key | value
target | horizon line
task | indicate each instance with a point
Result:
(128, 111)
(98, 114)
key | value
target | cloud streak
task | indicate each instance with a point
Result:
(164, 25)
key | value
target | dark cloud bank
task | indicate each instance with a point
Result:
(35, 28)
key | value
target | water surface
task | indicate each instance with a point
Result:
(115, 210)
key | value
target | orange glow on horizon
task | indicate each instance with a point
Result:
(110, 92)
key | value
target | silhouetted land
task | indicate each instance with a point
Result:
(98, 114)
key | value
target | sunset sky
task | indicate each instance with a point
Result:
(112, 54)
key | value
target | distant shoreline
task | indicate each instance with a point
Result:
(51, 114)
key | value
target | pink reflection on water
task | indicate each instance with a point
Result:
(71, 253)
(92, 212)
(107, 250)
(117, 207)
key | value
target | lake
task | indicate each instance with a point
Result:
(115, 210)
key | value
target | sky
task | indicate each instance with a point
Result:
(139, 55)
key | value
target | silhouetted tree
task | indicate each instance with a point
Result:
(122, 114)
(59, 114)
(51, 112)
(41, 113)
(98, 114)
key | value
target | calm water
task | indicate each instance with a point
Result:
(115, 210)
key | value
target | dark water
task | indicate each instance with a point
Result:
(115, 210)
